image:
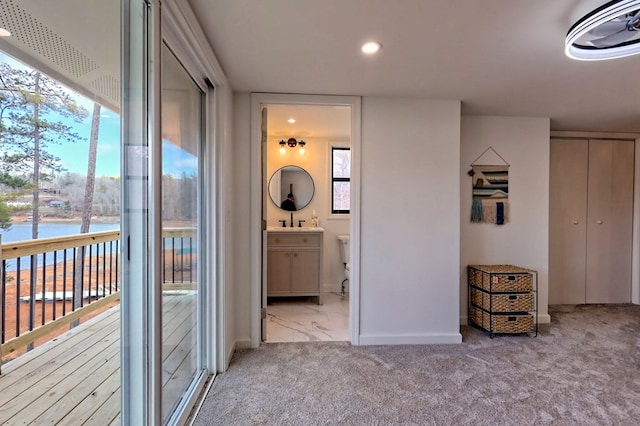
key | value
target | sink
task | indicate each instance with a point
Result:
(294, 229)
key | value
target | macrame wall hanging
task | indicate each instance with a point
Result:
(490, 190)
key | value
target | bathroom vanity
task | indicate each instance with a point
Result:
(294, 262)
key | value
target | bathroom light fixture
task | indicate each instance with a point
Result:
(371, 47)
(610, 31)
(4, 33)
(292, 143)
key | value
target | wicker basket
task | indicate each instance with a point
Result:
(516, 302)
(500, 278)
(507, 324)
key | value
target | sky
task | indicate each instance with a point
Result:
(74, 155)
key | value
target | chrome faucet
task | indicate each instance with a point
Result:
(292, 220)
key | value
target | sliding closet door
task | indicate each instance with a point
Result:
(609, 221)
(567, 220)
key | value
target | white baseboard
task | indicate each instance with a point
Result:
(230, 353)
(544, 319)
(242, 344)
(410, 339)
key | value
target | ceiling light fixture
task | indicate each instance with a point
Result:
(4, 33)
(292, 142)
(291, 120)
(371, 47)
(610, 31)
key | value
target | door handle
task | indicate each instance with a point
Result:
(575, 222)
(599, 222)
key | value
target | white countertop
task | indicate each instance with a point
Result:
(294, 229)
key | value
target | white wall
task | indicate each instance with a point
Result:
(410, 221)
(524, 239)
(241, 207)
(316, 161)
(415, 201)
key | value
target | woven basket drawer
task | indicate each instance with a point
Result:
(500, 278)
(494, 323)
(517, 302)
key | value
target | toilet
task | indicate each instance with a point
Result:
(344, 257)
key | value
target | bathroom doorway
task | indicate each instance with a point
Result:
(307, 202)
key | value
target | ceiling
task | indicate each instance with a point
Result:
(317, 121)
(66, 40)
(499, 57)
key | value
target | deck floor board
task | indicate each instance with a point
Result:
(75, 379)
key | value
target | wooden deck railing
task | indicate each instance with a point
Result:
(48, 283)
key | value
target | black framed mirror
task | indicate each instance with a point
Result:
(291, 188)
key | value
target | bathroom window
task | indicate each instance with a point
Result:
(340, 180)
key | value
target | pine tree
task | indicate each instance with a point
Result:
(34, 112)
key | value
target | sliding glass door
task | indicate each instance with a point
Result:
(163, 360)
(182, 123)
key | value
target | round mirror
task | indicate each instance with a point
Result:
(291, 188)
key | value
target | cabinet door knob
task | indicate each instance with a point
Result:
(599, 222)
(295, 254)
(575, 222)
(277, 240)
(304, 240)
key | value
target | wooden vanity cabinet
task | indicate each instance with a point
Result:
(294, 264)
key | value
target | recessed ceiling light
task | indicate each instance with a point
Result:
(291, 120)
(4, 33)
(371, 47)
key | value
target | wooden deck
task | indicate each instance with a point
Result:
(75, 378)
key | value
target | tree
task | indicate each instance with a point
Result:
(87, 205)
(34, 114)
(14, 183)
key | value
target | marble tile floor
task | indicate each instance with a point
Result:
(300, 319)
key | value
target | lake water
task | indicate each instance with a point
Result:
(22, 232)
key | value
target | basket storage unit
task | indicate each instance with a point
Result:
(503, 299)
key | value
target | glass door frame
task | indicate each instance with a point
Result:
(141, 383)
(204, 279)
(141, 294)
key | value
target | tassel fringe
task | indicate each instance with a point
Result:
(486, 211)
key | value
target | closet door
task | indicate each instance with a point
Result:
(609, 221)
(567, 220)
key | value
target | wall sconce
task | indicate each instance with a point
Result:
(292, 142)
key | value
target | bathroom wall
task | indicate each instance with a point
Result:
(316, 161)
(523, 241)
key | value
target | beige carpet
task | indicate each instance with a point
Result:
(583, 369)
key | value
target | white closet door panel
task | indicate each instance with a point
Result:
(609, 221)
(621, 211)
(567, 221)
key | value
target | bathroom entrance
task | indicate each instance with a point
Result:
(305, 291)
